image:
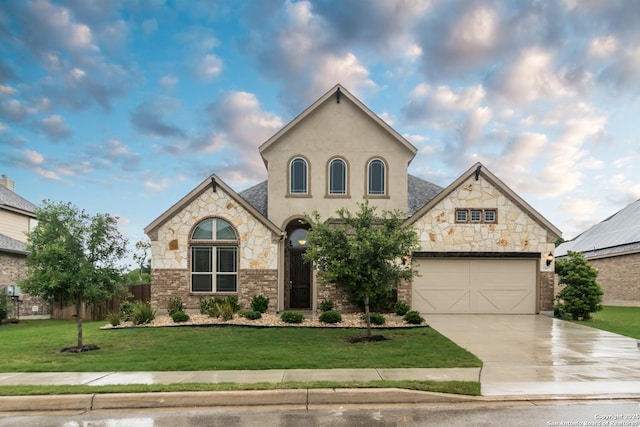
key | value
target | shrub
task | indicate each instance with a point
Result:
(174, 305)
(376, 318)
(259, 303)
(209, 306)
(180, 316)
(252, 315)
(113, 318)
(232, 300)
(401, 308)
(142, 313)
(330, 316)
(4, 306)
(580, 295)
(292, 317)
(126, 308)
(413, 317)
(226, 309)
(326, 305)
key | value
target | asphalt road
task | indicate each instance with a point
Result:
(581, 413)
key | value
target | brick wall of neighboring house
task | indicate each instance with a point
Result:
(167, 283)
(12, 270)
(547, 291)
(619, 277)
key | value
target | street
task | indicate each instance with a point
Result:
(549, 413)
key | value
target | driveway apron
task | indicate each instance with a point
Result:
(538, 355)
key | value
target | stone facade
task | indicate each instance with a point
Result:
(547, 291)
(619, 277)
(12, 270)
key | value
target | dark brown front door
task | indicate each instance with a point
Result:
(299, 280)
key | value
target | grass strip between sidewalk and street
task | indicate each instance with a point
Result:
(34, 346)
(470, 388)
(619, 320)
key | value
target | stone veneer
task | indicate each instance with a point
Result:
(12, 270)
(514, 231)
(257, 252)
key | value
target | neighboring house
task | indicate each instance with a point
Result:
(613, 248)
(17, 218)
(483, 249)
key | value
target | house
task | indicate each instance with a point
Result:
(613, 248)
(483, 248)
(17, 218)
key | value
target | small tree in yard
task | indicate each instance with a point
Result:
(72, 258)
(581, 295)
(362, 253)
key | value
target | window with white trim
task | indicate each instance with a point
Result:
(298, 176)
(214, 257)
(376, 178)
(337, 177)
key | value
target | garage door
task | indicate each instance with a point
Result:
(505, 286)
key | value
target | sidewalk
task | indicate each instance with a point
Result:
(244, 377)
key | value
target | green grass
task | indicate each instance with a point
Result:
(457, 387)
(34, 346)
(620, 320)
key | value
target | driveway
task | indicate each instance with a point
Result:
(536, 354)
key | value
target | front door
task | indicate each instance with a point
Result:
(299, 280)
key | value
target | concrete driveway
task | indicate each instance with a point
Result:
(536, 354)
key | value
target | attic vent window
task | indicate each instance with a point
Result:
(476, 216)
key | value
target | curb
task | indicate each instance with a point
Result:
(296, 398)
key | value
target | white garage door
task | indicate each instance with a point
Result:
(505, 286)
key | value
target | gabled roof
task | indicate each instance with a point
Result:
(617, 234)
(335, 92)
(7, 244)
(9, 200)
(479, 170)
(217, 184)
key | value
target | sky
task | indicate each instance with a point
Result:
(123, 107)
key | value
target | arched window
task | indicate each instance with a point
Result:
(337, 177)
(298, 176)
(376, 178)
(214, 257)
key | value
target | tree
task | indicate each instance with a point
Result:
(142, 274)
(362, 253)
(581, 295)
(73, 258)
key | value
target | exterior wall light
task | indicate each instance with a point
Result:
(549, 259)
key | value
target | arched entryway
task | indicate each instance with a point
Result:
(299, 274)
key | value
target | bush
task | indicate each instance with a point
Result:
(413, 317)
(174, 305)
(401, 308)
(292, 317)
(326, 305)
(252, 315)
(209, 306)
(259, 303)
(126, 308)
(113, 318)
(226, 309)
(142, 313)
(180, 316)
(330, 316)
(4, 306)
(581, 295)
(376, 318)
(232, 300)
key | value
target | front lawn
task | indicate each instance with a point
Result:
(620, 320)
(34, 346)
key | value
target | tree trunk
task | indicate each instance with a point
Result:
(79, 322)
(367, 314)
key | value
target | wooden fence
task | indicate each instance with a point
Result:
(100, 311)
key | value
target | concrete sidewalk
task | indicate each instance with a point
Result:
(241, 377)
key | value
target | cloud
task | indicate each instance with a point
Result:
(148, 118)
(14, 110)
(201, 61)
(112, 153)
(169, 81)
(157, 185)
(54, 127)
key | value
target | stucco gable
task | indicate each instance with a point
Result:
(476, 172)
(337, 94)
(216, 184)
